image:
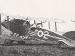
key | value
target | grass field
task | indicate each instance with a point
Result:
(35, 50)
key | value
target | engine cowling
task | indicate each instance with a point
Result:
(18, 26)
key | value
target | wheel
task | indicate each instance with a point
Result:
(7, 42)
(70, 35)
(21, 42)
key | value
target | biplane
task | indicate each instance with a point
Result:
(21, 31)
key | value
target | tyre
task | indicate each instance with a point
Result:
(21, 42)
(7, 42)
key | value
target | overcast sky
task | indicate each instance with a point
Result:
(53, 8)
(61, 9)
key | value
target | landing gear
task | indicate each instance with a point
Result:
(8, 42)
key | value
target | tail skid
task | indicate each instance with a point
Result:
(70, 43)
